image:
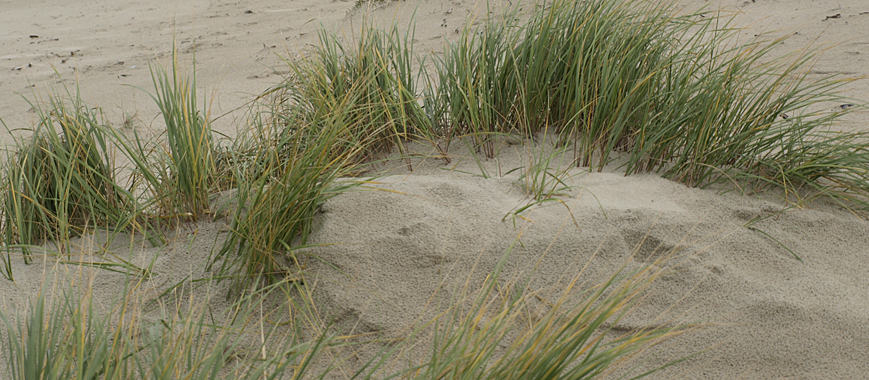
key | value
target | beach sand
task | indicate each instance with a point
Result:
(390, 257)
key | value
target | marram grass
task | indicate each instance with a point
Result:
(181, 176)
(497, 338)
(487, 333)
(370, 84)
(60, 180)
(189, 136)
(668, 92)
(289, 172)
(69, 337)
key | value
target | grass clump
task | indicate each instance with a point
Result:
(471, 96)
(60, 180)
(341, 108)
(289, 170)
(669, 90)
(189, 136)
(371, 85)
(178, 175)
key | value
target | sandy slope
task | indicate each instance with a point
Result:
(772, 315)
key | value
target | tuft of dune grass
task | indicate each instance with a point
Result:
(60, 180)
(670, 92)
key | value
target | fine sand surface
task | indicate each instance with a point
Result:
(395, 255)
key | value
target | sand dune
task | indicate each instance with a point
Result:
(768, 314)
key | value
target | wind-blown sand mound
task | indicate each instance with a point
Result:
(399, 248)
(770, 314)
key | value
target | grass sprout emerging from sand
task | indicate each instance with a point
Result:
(543, 177)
